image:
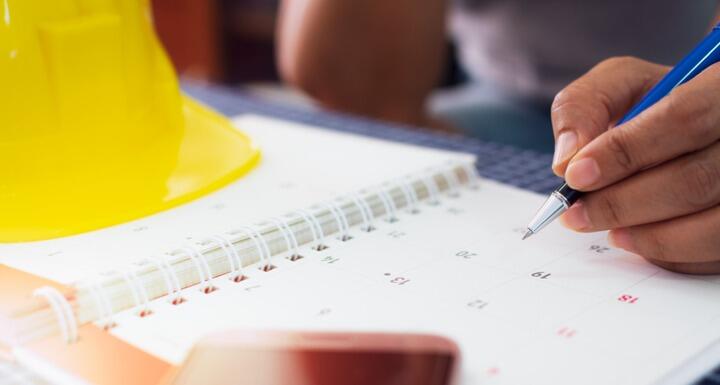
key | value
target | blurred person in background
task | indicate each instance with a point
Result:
(383, 58)
(534, 79)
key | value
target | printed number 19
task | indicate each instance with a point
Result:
(541, 275)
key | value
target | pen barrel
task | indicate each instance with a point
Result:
(705, 54)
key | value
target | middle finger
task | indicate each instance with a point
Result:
(682, 186)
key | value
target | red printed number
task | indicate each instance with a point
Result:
(627, 298)
(566, 332)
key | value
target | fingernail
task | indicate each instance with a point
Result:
(621, 239)
(576, 218)
(565, 147)
(582, 173)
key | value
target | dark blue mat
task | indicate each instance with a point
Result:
(522, 168)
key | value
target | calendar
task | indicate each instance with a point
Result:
(340, 233)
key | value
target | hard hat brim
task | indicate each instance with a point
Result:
(205, 155)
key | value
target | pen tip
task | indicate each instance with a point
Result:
(527, 235)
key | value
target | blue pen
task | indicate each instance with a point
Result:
(704, 55)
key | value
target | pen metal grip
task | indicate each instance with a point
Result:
(570, 194)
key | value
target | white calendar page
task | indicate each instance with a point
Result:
(300, 166)
(560, 308)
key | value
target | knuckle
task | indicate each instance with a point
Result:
(566, 96)
(581, 105)
(619, 146)
(566, 104)
(618, 62)
(560, 99)
(701, 182)
(695, 114)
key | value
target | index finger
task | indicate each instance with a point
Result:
(685, 121)
(588, 106)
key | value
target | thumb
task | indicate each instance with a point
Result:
(594, 102)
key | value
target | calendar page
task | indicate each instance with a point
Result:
(560, 308)
(301, 165)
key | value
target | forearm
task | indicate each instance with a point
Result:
(374, 57)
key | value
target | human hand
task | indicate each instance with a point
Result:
(653, 181)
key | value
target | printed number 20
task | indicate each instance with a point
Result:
(465, 254)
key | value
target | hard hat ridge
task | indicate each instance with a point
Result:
(93, 128)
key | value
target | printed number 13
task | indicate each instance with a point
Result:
(400, 280)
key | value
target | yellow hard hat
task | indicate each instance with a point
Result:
(93, 128)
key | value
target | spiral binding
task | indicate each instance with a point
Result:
(172, 282)
(225, 246)
(390, 207)
(341, 220)
(453, 183)
(317, 231)
(260, 245)
(63, 312)
(367, 215)
(289, 236)
(201, 265)
(103, 305)
(234, 260)
(432, 188)
(410, 196)
(139, 292)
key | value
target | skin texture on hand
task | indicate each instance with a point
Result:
(653, 181)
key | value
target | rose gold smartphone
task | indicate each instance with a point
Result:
(311, 358)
